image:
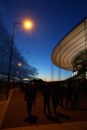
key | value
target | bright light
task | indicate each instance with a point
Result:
(25, 79)
(28, 24)
(19, 64)
(75, 73)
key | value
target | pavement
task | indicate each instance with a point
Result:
(3, 107)
(76, 123)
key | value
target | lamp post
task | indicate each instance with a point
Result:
(11, 53)
(27, 25)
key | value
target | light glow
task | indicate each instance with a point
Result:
(19, 64)
(28, 24)
(25, 79)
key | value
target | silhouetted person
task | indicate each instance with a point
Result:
(76, 94)
(31, 97)
(61, 94)
(55, 99)
(6, 85)
(46, 95)
(69, 94)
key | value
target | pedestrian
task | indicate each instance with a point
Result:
(69, 94)
(31, 98)
(76, 94)
(55, 98)
(46, 96)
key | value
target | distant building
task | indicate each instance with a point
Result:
(71, 52)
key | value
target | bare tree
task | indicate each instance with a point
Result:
(25, 70)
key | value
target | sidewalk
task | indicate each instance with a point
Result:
(3, 107)
(66, 126)
(16, 97)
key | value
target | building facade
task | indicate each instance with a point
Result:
(71, 52)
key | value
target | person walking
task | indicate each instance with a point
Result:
(31, 98)
(46, 96)
(55, 98)
(76, 94)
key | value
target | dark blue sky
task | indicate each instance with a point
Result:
(52, 20)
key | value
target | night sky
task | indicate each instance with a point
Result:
(52, 20)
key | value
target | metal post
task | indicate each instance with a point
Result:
(51, 71)
(9, 73)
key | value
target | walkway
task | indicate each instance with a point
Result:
(16, 113)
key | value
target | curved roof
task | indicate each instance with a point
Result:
(70, 46)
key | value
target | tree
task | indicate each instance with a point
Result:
(25, 70)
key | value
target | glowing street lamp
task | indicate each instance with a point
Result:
(27, 25)
(19, 64)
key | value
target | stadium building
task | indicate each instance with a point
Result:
(71, 52)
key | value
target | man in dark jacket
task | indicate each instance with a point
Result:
(30, 98)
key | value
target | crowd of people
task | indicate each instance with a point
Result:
(66, 95)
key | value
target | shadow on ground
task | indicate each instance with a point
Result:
(32, 119)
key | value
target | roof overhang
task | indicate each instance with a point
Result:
(70, 46)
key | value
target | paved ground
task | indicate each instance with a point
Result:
(65, 126)
(16, 113)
